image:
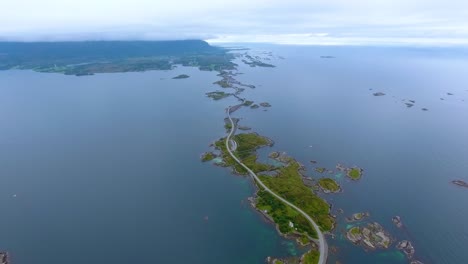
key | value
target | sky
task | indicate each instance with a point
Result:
(316, 22)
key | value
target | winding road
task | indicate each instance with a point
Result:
(323, 248)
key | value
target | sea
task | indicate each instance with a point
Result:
(106, 168)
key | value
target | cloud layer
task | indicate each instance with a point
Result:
(332, 22)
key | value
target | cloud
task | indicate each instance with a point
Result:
(293, 22)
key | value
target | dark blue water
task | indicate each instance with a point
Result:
(106, 168)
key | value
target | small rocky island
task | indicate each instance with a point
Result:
(265, 104)
(3, 258)
(358, 217)
(181, 76)
(406, 247)
(320, 169)
(329, 185)
(397, 221)
(379, 94)
(372, 236)
(460, 183)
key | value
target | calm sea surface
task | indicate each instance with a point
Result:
(105, 168)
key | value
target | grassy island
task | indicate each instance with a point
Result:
(223, 83)
(329, 185)
(248, 103)
(354, 173)
(208, 156)
(372, 236)
(181, 76)
(286, 182)
(217, 95)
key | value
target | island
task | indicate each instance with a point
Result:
(181, 76)
(358, 217)
(406, 247)
(320, 169)
(3, 258)
(372, 236)
(265, 104)
(208, 156)
(255, 62)
(460, 183)
(379, 94)
(329, 185)
(354, 173)
(217, 95)
(397, 221)
(254, 106)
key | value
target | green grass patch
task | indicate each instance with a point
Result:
(208, 156)
(283, 214)
(288, 183)
(355, 173)
(311, 257)
(355, 230)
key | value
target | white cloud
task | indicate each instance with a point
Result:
(294, 21)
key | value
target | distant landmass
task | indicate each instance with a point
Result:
(90, 57)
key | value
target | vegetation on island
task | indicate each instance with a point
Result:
(217, 95)
(354, 173)
(223, 83)
(287, 218)
(329, 185)
(286, 181)
(207, 156)
(181, 76)
(372, 236)
(248, 103)
(288, 184)
(311, 257)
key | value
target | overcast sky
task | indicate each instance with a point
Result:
(382, 22)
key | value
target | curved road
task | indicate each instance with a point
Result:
(322, 243)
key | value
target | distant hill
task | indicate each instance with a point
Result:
(90, 57)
